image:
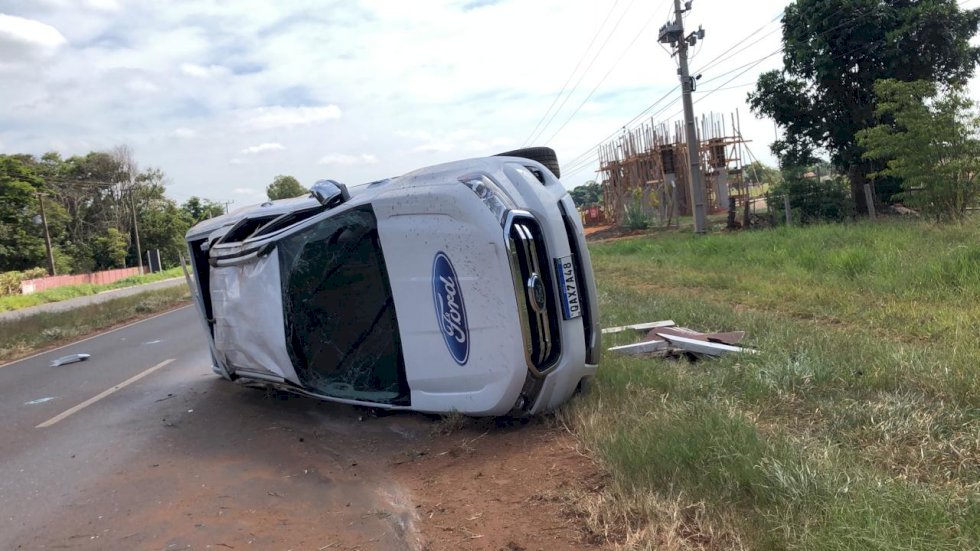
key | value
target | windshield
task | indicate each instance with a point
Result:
(341, 329)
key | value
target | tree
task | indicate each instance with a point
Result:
(201, 209)
(21, 240)
(109, 250)
(931, 145)
(284, 187)
(834, 51)
(588, 193)
(757, 172)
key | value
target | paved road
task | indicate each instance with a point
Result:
(142, 447)
(73, 303)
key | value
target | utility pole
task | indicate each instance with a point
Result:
(136, 230)
(227, 204)
(47, 236)
(673, 33)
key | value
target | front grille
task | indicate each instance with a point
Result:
(529, 258)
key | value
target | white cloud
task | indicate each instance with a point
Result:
(142, 86)
(262, 148)
(184, 133)
(265, 118)
(249, 192)
(200, 71)
(21, 36)
(349, 160)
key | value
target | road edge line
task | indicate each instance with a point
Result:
(73, 410)
(95, 336)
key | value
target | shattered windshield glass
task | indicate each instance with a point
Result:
(341, 329)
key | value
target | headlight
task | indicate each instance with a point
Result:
(492, 195)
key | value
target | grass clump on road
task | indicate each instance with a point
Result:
(24, 336)
(856, 427)
(57, 294)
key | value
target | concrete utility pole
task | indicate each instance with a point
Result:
(673, 33)
(136, 230)
(47, 236)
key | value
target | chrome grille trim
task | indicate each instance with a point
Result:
(528, 255)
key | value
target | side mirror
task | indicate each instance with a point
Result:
(329, 193)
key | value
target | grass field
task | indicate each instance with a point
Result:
(24, 336)
(16, 302)
(858, 425)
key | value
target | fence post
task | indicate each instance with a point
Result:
(869, 198)
(789, 211)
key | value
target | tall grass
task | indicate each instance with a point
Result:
(852, 429)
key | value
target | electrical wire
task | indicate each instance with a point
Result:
(601, 80)
(585, 155)
(575, 70)
(571, 92)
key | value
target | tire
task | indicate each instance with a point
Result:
(543, 155)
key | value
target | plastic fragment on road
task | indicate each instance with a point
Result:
(639, 326)
(70, 359)
(39, 401)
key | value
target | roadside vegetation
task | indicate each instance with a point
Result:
(16, 302)
(24, 336)
(857, 426)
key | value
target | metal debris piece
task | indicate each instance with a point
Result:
(704, 347)
(731, 337)
(639, 326)
(665, 339)
(640, 347)
(70, 359)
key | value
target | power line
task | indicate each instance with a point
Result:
(585, 155)
(582, 76)
(631, 121)
(601, 80)
(575, 70)
(718, 59)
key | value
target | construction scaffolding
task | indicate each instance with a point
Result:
(644, 172)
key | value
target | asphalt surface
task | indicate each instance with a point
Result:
(72, 303)
(143, 447)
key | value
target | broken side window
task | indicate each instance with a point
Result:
(341, 330)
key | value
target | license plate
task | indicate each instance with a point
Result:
(568, 287)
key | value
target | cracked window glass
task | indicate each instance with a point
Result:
(341, 329)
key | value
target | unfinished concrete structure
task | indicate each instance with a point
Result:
(646, 169)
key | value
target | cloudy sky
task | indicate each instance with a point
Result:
(223, 95)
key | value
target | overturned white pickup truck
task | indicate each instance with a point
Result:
(461, 287)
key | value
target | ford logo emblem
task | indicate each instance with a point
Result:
(536, 293)
(450, 310)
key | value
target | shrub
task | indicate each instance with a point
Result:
(810, 200)
(10, 281)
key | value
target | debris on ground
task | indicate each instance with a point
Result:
(664, 338)
(70, 359)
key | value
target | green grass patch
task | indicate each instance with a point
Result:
(23, 336)
(856, 427)
(16, 302)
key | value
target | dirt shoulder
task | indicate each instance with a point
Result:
(487, 487)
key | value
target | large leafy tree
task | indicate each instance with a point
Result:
(284, 187)
(201, 209)
(21, 241)
(835, 50)
(932, 145)
(588, 193)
